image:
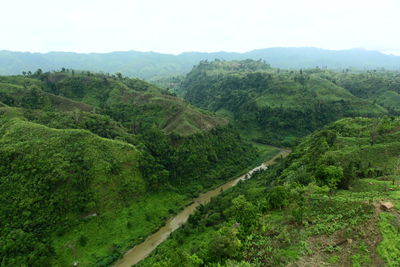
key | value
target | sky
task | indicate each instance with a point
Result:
(175, 26)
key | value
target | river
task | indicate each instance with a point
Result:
(142, 250)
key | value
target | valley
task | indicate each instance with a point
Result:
(142, 250)
(303, 210)
(79, 145)
(102, 170)
(199, 133)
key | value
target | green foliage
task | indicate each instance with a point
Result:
(389, 248)
(244, 212)
(181, 258)
(278, 197)
(290, 214)
(331, 175)
(108, 235)
(278, 105)
(225, 244)
(82, 240)
(342, 152)
(78, 149)
(132, 102)
(362, 257)
(86, 155)
(51, 177)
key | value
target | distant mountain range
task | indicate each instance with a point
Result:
(151, 65)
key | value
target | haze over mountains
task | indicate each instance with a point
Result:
(152, 65)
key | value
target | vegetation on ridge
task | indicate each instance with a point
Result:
(271, 105)
(83, 151)
(321, 206)
(154, 66)
(91, 164)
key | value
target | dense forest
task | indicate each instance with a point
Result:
(199, 133)
(277, 106)
(321, 206)
(83, 151)
(92, 163)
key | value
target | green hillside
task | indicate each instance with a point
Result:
(273, 105)
(382, 86)
(52, 178)
(322, 205)
(131, 101)
(91, 164)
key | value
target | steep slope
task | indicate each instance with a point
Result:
(325, 204)
(28, 93)
(51, 178)
(131, 101)
(272, 105)
(91, 164)
(381, 86)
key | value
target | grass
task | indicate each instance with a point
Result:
(333, 259)
(289, 94)
(364, 229)
(362, 257)
(110, 234)
(265, 152)
(389, 248)
(389, 99)
(277, 240)
(339, 227)
(76, 173)
(82, 92)
(48, 174)
(129, 227)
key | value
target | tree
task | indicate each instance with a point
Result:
(278, 197)
(243, 211)
(225, 244)
(82, 240)
(182, 258)
(38, 72)
(331, 175)
(396, 171)
(374, 132)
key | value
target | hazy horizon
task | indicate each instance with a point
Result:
(395, 53)
(176, 26)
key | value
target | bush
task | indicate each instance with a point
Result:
(82, 240)
(278, 197)
(331, 176)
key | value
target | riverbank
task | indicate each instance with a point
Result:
(142, 250)
(100, 240)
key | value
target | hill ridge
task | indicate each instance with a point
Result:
(154, 65)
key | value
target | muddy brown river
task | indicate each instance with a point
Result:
(142, 250)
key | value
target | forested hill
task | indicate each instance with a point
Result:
(91, 163)
(276, 105)
(133, 102)
(153, 66)
(324, 205)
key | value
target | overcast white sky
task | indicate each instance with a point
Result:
(174, 26)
